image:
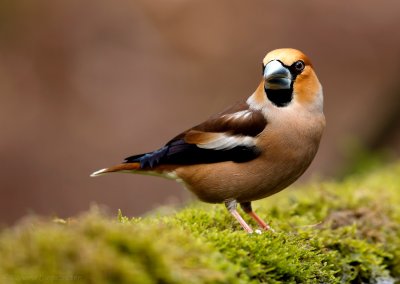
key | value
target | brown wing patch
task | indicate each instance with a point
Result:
(236, 120)
(199, 137)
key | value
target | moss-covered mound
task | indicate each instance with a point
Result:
(347, 232)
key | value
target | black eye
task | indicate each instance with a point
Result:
(299, 66)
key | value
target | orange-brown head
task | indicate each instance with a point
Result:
(289, 76)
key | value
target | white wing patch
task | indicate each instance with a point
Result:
(224, 141)
(244, 114)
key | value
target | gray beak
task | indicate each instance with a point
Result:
(277, 76)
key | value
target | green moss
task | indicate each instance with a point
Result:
(345, 232)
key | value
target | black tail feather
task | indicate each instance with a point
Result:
(148, 160)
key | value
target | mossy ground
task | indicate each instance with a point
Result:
(344, 232)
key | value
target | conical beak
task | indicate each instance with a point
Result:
(277, 76)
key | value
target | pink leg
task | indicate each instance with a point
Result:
(231, 206)
(246, 206)
(260, 221)
(241, 221)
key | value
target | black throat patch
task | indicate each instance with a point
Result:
(281, 97)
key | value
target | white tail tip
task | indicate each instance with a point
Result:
(98, 173)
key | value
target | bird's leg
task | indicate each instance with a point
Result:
(246, 206)
(231, 206)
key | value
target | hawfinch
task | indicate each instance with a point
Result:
(252, 150)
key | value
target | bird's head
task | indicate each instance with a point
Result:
(289, 76)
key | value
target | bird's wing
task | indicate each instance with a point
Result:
(227, 136)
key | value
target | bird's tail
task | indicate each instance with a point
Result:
(125, 167)
(136, 163)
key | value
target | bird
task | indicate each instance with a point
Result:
(251, 150)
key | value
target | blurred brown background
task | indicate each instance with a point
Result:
(83, 84)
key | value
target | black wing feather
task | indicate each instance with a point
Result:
(181, 153)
